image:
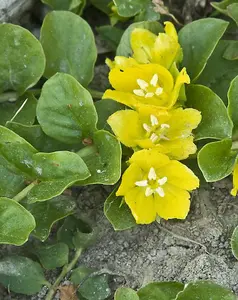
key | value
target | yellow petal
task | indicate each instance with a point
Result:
(121, 62)
(125, 98)
(111, 64)
(180, 176)
(182, 122)
(174, 205)
(142, 41)
(142, 207)
(235, 181)
(170, 30)
(132, 174)
(124, 81)
(146, 159)
(180, 80)
(127, 126)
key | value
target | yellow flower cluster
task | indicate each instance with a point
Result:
(155, 125)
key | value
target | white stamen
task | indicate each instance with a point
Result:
(149, 95)
(154, 80)
(146, 127)
(160, 191)
(154, 137)
(148, 192)
(142, 84)
(152, 174)
(159, 91)
(163, 137)
(139, 93)
(141, 183)
(162, 181)
(164, 126)
(154, 120)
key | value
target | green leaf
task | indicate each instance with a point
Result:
(216, 160)
(105, 108)
(198, 40)
(55, 171)
(37, 138)
(74, 50)
(118, 213)
(52, 256)
(75, 6)
(21, 275)
(48, 213)
(91, 288)
(22, 60)
(148, 13)
(207, 102)
(76, 233)
(125, 294)
(160, 291)
(103, 159)
(233, 12)
(111, 35)
(16, 223)
(233, 103)
(129, 9)
(124, 48)
(204, 290)
(22, 111)
(219, 71)
(231, 52)
(222, 6)
(65, 110)
(234, 242)
(103, 5)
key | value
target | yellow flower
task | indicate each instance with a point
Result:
(149, 84)
(153, 185)
(163, 49)
(169, 132)
(235, 181)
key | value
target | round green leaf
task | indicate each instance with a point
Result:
(16, 223)
(234, 242)
(72, 5)
(233, 103)
(204, 290)
(219, 71)
(118, 213)
(21, 275)
(52, 256)
(232, 11)
(103, 159)
(222, 6)
(91, 288)
(103, 5)
(111, 35)
(49, 212)
(22, 60)
(74, 50)
(207, 102)
(160, 291)
(22, 111)
(198, 40)
(148, 13)
(128, 8)
(125, 294)
(65, 110)
(124, 47)
(231, 52)
(216, 160)
(55, 171)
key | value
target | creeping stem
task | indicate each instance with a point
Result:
(20, 196)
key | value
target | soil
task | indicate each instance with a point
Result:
(197, 248)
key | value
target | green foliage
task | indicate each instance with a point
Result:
(234, 242)
(75, 6)
(16, 223)
(118, 213)
(72, 38)
(125, 294)
(91, 286)
(22, 60)
(216, 160)
(207, 102)
(198, 40)
(21, 275)
(233, 103)
(160, 291)
(110, 34)
(227, 7)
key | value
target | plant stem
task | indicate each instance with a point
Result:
(10, 96)
(67, 268)
(96, 94)
(24, 192)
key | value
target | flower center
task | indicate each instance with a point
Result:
(150, 89)
(153, 184)
(156, 131)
